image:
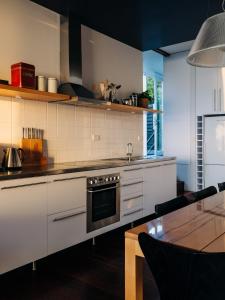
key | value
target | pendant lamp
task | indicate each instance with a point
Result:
(208, 49)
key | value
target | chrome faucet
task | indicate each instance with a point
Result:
(129, 151)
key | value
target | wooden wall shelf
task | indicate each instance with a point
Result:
(99, 104)
(30, 94)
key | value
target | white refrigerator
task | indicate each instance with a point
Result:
(214, 149)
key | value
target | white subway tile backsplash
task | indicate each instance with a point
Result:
(5, 110)
(72, 133)
(6, 133)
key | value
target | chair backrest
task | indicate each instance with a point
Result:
(221, 186)
(207, 192)
(171, 205)
(184, 274)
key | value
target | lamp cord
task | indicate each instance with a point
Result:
(223, 5)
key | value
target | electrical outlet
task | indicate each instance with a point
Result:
(95, 137)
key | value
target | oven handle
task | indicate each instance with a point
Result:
(106, 189)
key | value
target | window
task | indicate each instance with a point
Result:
(154, 122)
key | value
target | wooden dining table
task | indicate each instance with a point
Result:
(199, 226)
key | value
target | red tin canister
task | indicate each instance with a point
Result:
(23, 75)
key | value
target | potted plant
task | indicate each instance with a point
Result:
(145, 99)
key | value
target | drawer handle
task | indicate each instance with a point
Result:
(106, 189)
(165, 164)
(155, 166)
(133, 183)
(133, 198)
(71, 178)
(69, 216)
(22, 185)
(129, 170)
(133, 212)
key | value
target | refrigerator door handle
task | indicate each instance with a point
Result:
(214, 99)
(220, 97)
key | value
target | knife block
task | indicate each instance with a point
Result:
(33, 152)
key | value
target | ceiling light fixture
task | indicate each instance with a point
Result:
(208, 49)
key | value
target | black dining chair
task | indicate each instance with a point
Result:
(171, 205)
(207, 192)
(184, 274)
(221, 186)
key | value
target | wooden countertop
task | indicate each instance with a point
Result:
(200, 226)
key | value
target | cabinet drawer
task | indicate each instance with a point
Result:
(65, 193)
(66, 229)
(134, 214)
(130, 204)
(129, 173)
(132, 189)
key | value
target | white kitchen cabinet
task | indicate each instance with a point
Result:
(132, 188)
(66, 229)
(214, 145)
(206, 91)
(213, 175)
(131, 193)
(159, 185)
(210, 90)
(131, 215)
(221, 89)
(23, 222)
(66, 211)
(66, 192)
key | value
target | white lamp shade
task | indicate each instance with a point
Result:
(208, 49)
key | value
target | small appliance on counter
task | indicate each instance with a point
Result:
(13, 158)
(23, 75)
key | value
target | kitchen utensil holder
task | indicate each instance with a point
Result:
(34, 152)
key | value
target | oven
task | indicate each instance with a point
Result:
(103, 201)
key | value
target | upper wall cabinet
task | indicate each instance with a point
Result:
(210, 90)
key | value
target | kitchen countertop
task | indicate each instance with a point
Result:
(78, 166)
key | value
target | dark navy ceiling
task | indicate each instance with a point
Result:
(143, 24)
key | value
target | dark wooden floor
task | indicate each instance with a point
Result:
(82, 272)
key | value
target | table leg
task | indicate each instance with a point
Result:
(133, 272)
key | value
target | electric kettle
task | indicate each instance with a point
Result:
(13, 158)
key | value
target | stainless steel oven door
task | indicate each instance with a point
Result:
(103, 205)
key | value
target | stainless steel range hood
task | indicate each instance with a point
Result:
(71, 62)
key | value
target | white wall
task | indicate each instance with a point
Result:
(107, 58)
(30, 33)
(179, 115)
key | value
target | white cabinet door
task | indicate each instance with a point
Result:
(66, 229)
(221, 89)
(169, 181)
(159, 185)
(214, 174)
(207, 98)
(23, 222)
(214, 148)
(152, 189)
(66, 192)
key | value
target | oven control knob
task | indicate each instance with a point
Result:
(91, 181)
(96, 181)
(118, 177)
(114, 178)
(110, 179)
(106, 179)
